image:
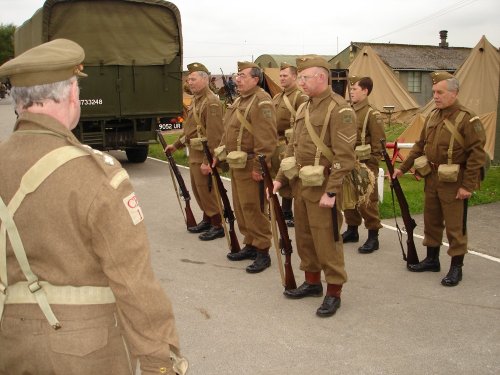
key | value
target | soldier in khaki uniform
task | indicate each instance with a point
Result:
(286, 103)
(204, 121)
(370, 132)
(250, 128)
(452, 138)
(329, 118)
(79, 295)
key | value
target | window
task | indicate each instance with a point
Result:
(414, 81)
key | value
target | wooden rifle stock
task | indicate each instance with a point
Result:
(190, 220)
(228, 211)
(411, 256)
(285, 242)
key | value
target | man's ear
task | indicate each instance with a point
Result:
(74, 93)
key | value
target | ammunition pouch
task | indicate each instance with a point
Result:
(237, 159)
(289, 167)
(363, 152)
(448, 172)
(312, 175)
(195, 143)
(422, 166)
(220, 153)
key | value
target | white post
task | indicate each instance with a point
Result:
(380, 185)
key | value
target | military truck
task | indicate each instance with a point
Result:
(133, 58)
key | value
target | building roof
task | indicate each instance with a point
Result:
(274, 61)
(417, 57)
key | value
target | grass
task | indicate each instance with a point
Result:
(413, 189)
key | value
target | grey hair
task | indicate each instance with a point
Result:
(29, 95)
(202, 74)
(452, 84)
(257, 72)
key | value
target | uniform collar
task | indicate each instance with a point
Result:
(448, 111)
(251, 92)
(319, 98)
(45, 121)
(357, 106)
(202, 93)
(290, 89)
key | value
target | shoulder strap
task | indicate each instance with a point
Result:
(363, 131)
(318, 141)
(244, 122)
(31, 180)
(453, 130)
(199, 129)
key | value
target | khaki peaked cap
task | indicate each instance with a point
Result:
(354, 79)
(246, 64)
(440, 76)
(197, 67)
(54, 61)
(310, 61)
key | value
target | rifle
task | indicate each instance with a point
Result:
(409, 223)
(227, 89)
(234, 245)
(174, 169)
(285, 243)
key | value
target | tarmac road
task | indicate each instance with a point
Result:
(391, 321)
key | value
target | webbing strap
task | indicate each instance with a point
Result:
(199, 129)
(363, 131)
(61, 295)
(244, 122)
(318, 141)
(31, 180)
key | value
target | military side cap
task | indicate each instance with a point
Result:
(197, 67)
(54, 61)
(246, 64)
(440, 76)
(354, 79)
(309, 61)
(285, 65)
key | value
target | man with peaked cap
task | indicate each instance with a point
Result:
(286, 104)
(204, 121)
(322, 143)
(368, 150)
(250, 130)
(452, 139)
(77, 291)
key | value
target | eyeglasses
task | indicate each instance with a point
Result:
(306, 78)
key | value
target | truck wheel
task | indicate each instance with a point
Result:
(137, 154)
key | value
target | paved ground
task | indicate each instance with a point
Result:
(391, 321)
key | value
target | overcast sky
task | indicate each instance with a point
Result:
(219, 33)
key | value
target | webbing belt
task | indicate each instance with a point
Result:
(31, 180)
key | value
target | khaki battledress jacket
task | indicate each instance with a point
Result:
(204, 120)
(441, 206)
(374, 132)
(247, 198)
(83, 226)
(314, 224)
(284, 118)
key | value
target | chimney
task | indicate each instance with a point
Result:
(443, 34)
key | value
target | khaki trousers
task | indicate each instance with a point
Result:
(89, 342)
(441, 209)
(252, 222)
(314, 234)
(207, 200)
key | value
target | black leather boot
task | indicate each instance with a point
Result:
(371, 243)
(430, 263)
(305, 290)
(202, 226)
(248, 252)
(260, 263)
(454, 275)
(351, 234)
(212, 234)
(329, 306)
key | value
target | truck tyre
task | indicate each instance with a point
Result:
(137, 154)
